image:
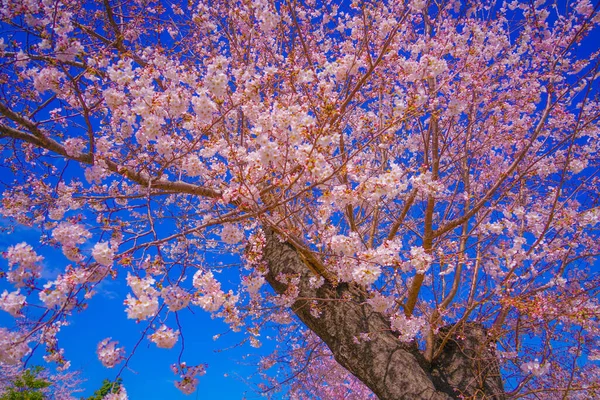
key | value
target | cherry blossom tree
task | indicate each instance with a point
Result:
(410, 187)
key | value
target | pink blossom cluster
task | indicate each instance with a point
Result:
(144, 303)
(231, 234)
(363, 265)
(164, 337)
(48, 78)
(211, 298)
(253, 283)
(188, 375)
(268, 20)
(426, 185)
(204, 108)
(55, 293)
(64, 288)
(420, 260)
(366, 274)
(70, 236)
(209, 295)
(12, 302)
(386, 254)
(408, 327)
(50, 340)
(13, 347)
(96, 173)
(216, 79)
(535, 368)
(193, 166)
(389, 184)
(26, 261)
(103, 253)
(109, 354)
(175, 297)
(380, 303)
(345, 245)
(74, 147)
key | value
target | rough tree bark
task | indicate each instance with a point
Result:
(390, 368)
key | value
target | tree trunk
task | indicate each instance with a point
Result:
(391, 368)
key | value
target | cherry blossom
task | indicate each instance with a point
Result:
(366, 274)
(419, 259)
(164, 337)
(108, 353)
(26, 261)
(175, 297)
(12, 302)
(535, 368)
(142, 307)
(188, 375)
(408, 327)
(380, 303)
(13, 347)
(231, 234)
(103, 254)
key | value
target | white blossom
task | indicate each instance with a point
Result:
(12, 302)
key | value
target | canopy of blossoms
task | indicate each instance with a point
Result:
(440, 157)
